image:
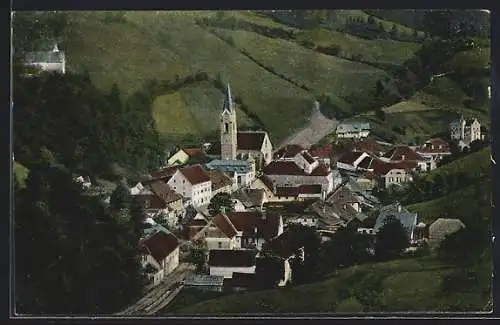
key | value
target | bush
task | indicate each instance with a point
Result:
(349, 305)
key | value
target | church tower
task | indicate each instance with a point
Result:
(228, 128)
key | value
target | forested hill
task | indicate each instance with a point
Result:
(67, 118)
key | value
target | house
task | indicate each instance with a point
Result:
(265, 184)
(241, 282)
(51, 61)
(164, 174)
(194, 183)
(288, 152)
(352, 159)
(441, 228)
(205, 282)
(159, 255)
(303, 170)
(159, 201)
(434, 149)
(323, 154)
(220, 182)
(353, 130)
(407, 219)
(242, 172)
(333, 215)
(298, 193)
(464, 131)
(219, 233)
(368, 145)
(236, 144)
(392, 175)
(255, 228)
(225, 262)
(194, 221)
(84, 182)
(184, 155)
(249, 199)
(404, 154)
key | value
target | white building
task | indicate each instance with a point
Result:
(51, 61)
(159, 255)
(353, 130)
(465, 131)
(224, 263)
(193, 183)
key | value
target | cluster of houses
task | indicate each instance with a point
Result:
(325, 188)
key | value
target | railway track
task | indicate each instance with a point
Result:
(161, 295)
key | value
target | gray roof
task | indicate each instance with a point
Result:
(204, 280)
(352, 127)
(44, 57)
(153, 229)
(228, 166)
(250, 197)
(407, 219)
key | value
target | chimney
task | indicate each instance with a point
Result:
(56, 49)
(402, 157)
(223, 210)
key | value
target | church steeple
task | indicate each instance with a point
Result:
(228, 128)
(228, 100)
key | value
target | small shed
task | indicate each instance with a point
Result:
(205, 282)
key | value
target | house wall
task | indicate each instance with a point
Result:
(345, 166)
(326, 182)
(303, 220)
(200, 194)
(238, 206)
(180, 157)
(226, 189)
(171, 262)
(220, 243)
(354, 134)
(177, 206)
(227, 272)
(258, 184)
(45, 66)
(396, 176)
(242, 180)
(287, 276)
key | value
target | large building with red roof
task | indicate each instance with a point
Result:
(193, 183)
(159, 255)
(434, 149)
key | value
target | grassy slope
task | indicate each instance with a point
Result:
(20, 172)
(399, 285)
(386, 51)
(322, 73)
(167, 44)
(473, 165)
(192, 110)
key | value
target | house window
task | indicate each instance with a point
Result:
(220, 245)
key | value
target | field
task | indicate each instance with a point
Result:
(410, 284)
(192, 111)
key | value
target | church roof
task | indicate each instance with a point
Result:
(250, 140)
(228, 100)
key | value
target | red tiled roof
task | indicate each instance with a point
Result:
(164, 192)
(324, 152)
(154, 201)
(280, 167)
(246, 222)
(267, 182)
(433, 146)
(307, 157)
(225, 225)
(232, 257)
(164, 173)
(367, 145)
(160, 245)
(219, 180)
(350, 157)
(287, 191)
(195, 174)
(193, 152)
(400, 153)
(382, 168)
(250, 140)
(365, 163)
(289, 151)
(310, 189)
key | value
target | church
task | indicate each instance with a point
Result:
(252, 146)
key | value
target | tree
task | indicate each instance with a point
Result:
(269, 270)
(220, 201)
(394, 31)
(198, 255)
(391, 239)
(120, 198)
(461, 246)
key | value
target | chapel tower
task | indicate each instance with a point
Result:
(228, 128)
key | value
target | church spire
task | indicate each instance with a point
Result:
(228, 100)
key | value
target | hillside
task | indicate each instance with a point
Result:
(275, 64)
(413, 284)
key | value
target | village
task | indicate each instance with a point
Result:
(236, 199)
